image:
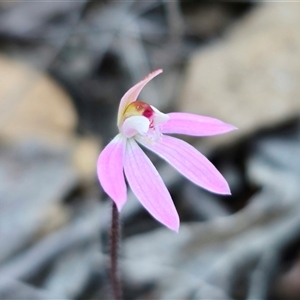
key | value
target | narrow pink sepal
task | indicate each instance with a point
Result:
(110, 170)
(132, 94)
(149, 187)
(195, 125)
(190, 163)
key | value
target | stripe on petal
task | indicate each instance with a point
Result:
(191, 124)
(148, 186)
(132, 94)
(190, 163)
(110, 170)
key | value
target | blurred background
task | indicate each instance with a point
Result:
(64, 67)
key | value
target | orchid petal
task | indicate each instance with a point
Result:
(195, 125)
(159, 117)
(135, 124)
(189, 162)
(110, 170)
(148, 186)
(132, 94)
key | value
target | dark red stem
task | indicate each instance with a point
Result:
(114, 251)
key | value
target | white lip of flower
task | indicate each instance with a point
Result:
(144, 127)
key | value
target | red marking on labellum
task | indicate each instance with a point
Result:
(148, 112)
(139, 108)
(145, 109)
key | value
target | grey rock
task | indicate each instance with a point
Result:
(213, 252)
(14, 290)
(32, 180)
(248, 77)
(71, 271)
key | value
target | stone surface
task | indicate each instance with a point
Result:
(33, 182)
(14, 289)
(207, 257)
(42, 160)
(249, 76)
(85, 154)
(33, 106)
(208, 19)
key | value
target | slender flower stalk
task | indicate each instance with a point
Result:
(116, 287)
(141, 123)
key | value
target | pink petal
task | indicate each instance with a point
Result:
(132, 94)
(191, 163)
(191, 124)
(110, 170)
(148, 186)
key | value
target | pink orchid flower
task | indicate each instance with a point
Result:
(143, 123)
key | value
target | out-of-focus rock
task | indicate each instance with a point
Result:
(33, 106)
(209, 256)
(53, 217)
(206, 19)
(34, 180)
(14, 289)
(71, 272)
(80, 232)
(249, 77)
(205, 206)
(287, 283)
(29, 20)
(275, 161)
(42, 160)
(85, 155)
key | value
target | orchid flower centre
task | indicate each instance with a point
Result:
(141, 123)
(140, 118)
